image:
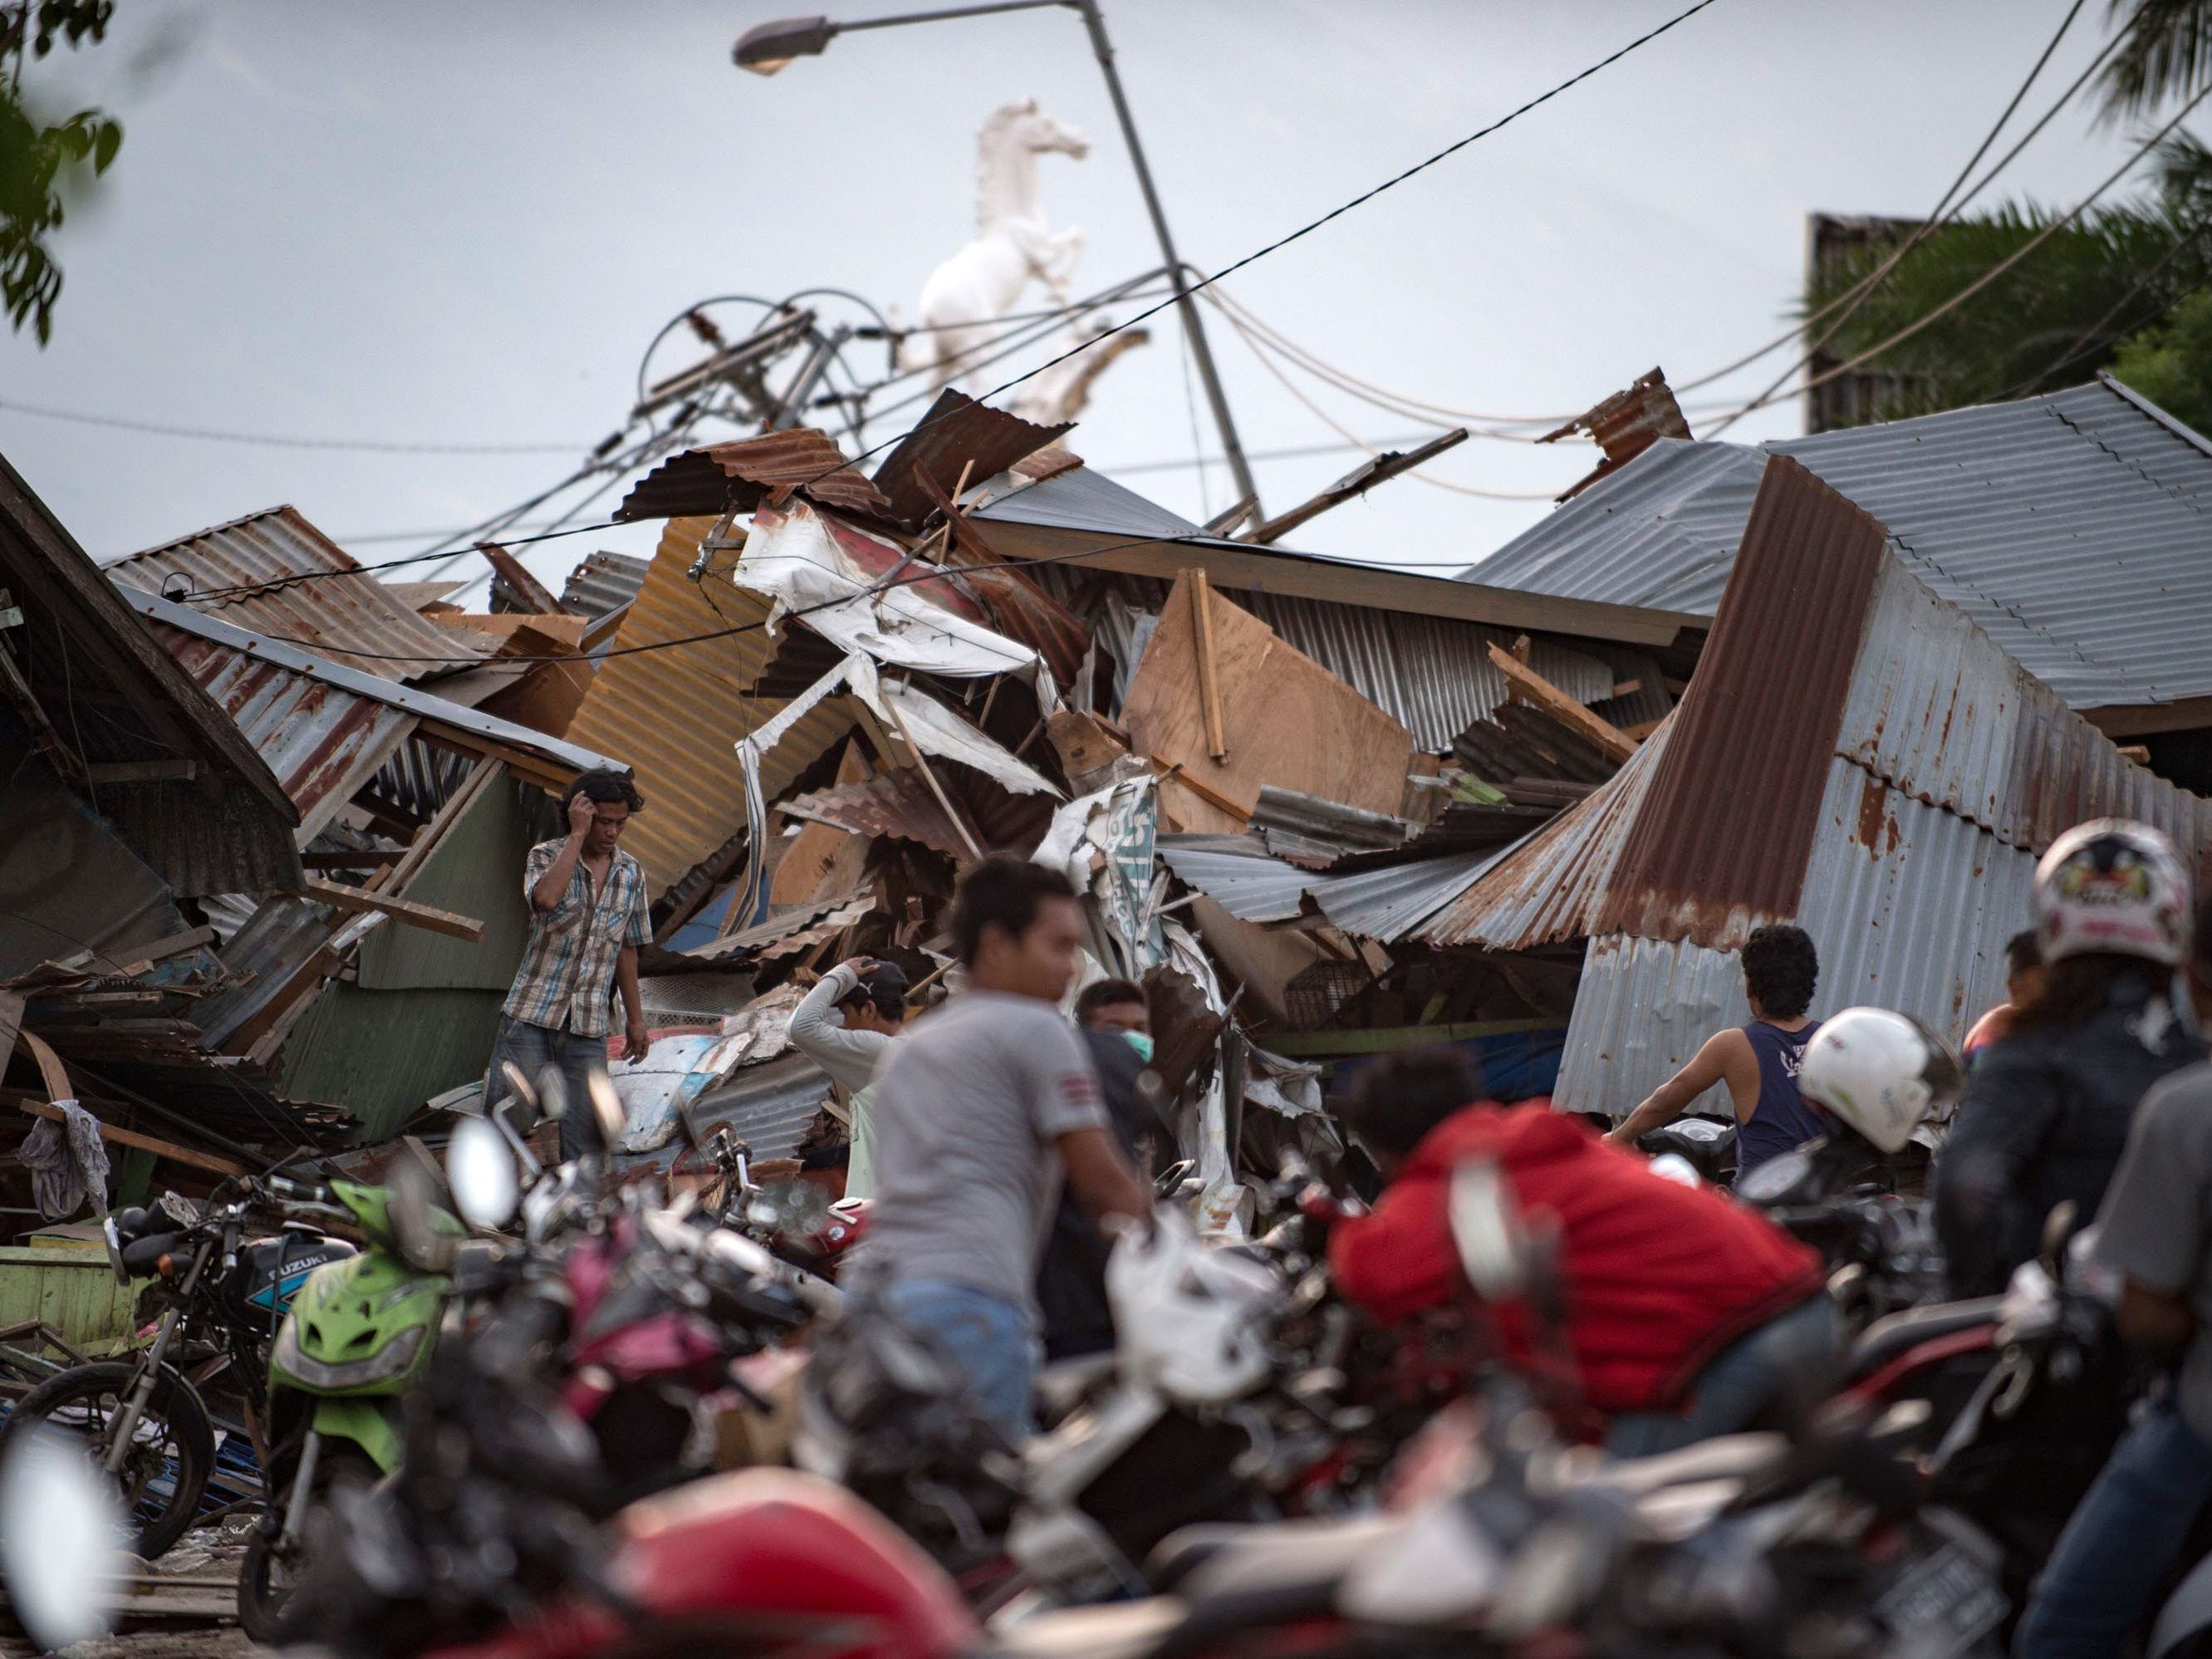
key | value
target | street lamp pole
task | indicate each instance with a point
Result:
(768, 47)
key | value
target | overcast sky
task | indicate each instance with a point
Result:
(463, 223)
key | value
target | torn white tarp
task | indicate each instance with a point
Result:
(1102, 843)
(793, 559)
(919, 720)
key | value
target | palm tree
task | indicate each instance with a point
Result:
(2127, 286)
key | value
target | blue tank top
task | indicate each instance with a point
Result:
(1782, 1119)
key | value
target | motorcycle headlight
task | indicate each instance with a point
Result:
(387, 1363)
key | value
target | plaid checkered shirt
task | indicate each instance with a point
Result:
(566, 981)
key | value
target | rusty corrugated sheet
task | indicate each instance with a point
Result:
(1626, 425)
(1758, 723)
(899, 803)
(1938, 711)
(1549, 888)
(676, 714)
(602, 583)
(957, 436)
(739, 476)
(322, 743)
(342, 612)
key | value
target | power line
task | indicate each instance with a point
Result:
(1988, 276)
(277, 441)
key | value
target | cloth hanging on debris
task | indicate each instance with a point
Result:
(1102, 843)
(68, 1163)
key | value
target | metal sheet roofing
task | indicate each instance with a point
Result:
(739, 476)
(1383, 904)
(675, 715)
(342, 610)
(899, 802)
(322, 743)
(604, 582)
(958, 435)
(2073, 528)
(528, 752)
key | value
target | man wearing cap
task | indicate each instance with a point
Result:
(843, 1025)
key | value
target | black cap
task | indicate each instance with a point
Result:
(885, 986)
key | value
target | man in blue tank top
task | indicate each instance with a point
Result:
(1757, 1061)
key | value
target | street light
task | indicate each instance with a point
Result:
(768, 48)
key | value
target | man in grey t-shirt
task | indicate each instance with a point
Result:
(2156, 1229)
(979, 1109)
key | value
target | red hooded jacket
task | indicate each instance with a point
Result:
(1659, 1277)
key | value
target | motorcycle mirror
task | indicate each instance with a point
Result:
(1487, 1231)
(519, 1087)
(2058, 1229)
(421, 1243)
(603, 1111)
(1672, 1166)
(481, 1171)
(63, 1529)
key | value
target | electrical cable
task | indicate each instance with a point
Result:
(272, 440)
(1980, 283)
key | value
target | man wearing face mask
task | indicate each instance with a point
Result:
(1116, 1028)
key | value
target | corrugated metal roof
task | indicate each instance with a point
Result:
(2071, 527)
(1758, 723)
(958, 435)
(675, 715)
(323, 744)
(604, 582)
(528, 752)
(1237, 874)
(764, 940)
(1387, 904)
(740, 474)
(342, 610)
(1317, 819)
(1083, 498)
(768, 1106)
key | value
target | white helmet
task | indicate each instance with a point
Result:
(2112, 885)
(1878, 1072)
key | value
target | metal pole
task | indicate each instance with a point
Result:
(1193, 328)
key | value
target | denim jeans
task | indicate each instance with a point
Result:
(2115, 1554)
(994, 1342)
(1738, 1384)
(536, 1048)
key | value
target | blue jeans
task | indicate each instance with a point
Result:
(993, 1341)
(536, 1049)
(1738, 1384)
(2114, 1556)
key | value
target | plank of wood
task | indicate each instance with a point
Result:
(1209, 683)
(158, 771)
(145, 956)
(1286, 719)
(427, 839)
(121, 1136)
(1527, 683)
(361, 900)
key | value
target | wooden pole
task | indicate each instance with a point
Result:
(951, 813)
(1209, 683)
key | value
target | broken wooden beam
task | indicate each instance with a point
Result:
(100, 773)
(1381, 469)
(1524, 683)
(362, 901)
(1209, 679)
(526, 587)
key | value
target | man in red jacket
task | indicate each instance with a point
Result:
(1688, 1315)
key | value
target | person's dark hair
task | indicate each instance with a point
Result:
(1106, 993)
(883, 988)
(1400, 1098)
(1781, 969)
(2022, 952)
(606, 786)
(1004, 890)
(2074, 987)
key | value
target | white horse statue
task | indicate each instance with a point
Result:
(967, 295)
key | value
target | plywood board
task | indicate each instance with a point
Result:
(1286, 720)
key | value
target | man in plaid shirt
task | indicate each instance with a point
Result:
(588, 917)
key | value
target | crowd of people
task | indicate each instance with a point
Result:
(1004, 1145)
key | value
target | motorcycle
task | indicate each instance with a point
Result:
(144, 1418)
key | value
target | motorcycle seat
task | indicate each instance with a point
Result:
(1116, 1630)
(1221, 1559)
(1898, 1333)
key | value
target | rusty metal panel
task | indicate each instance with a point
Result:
(341, 610)
(603, 582)
(1730, 819)
(1549, 887)
(675, 715)
(1624, 425)
(320, 741)
(958, 435)
(718, 479)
